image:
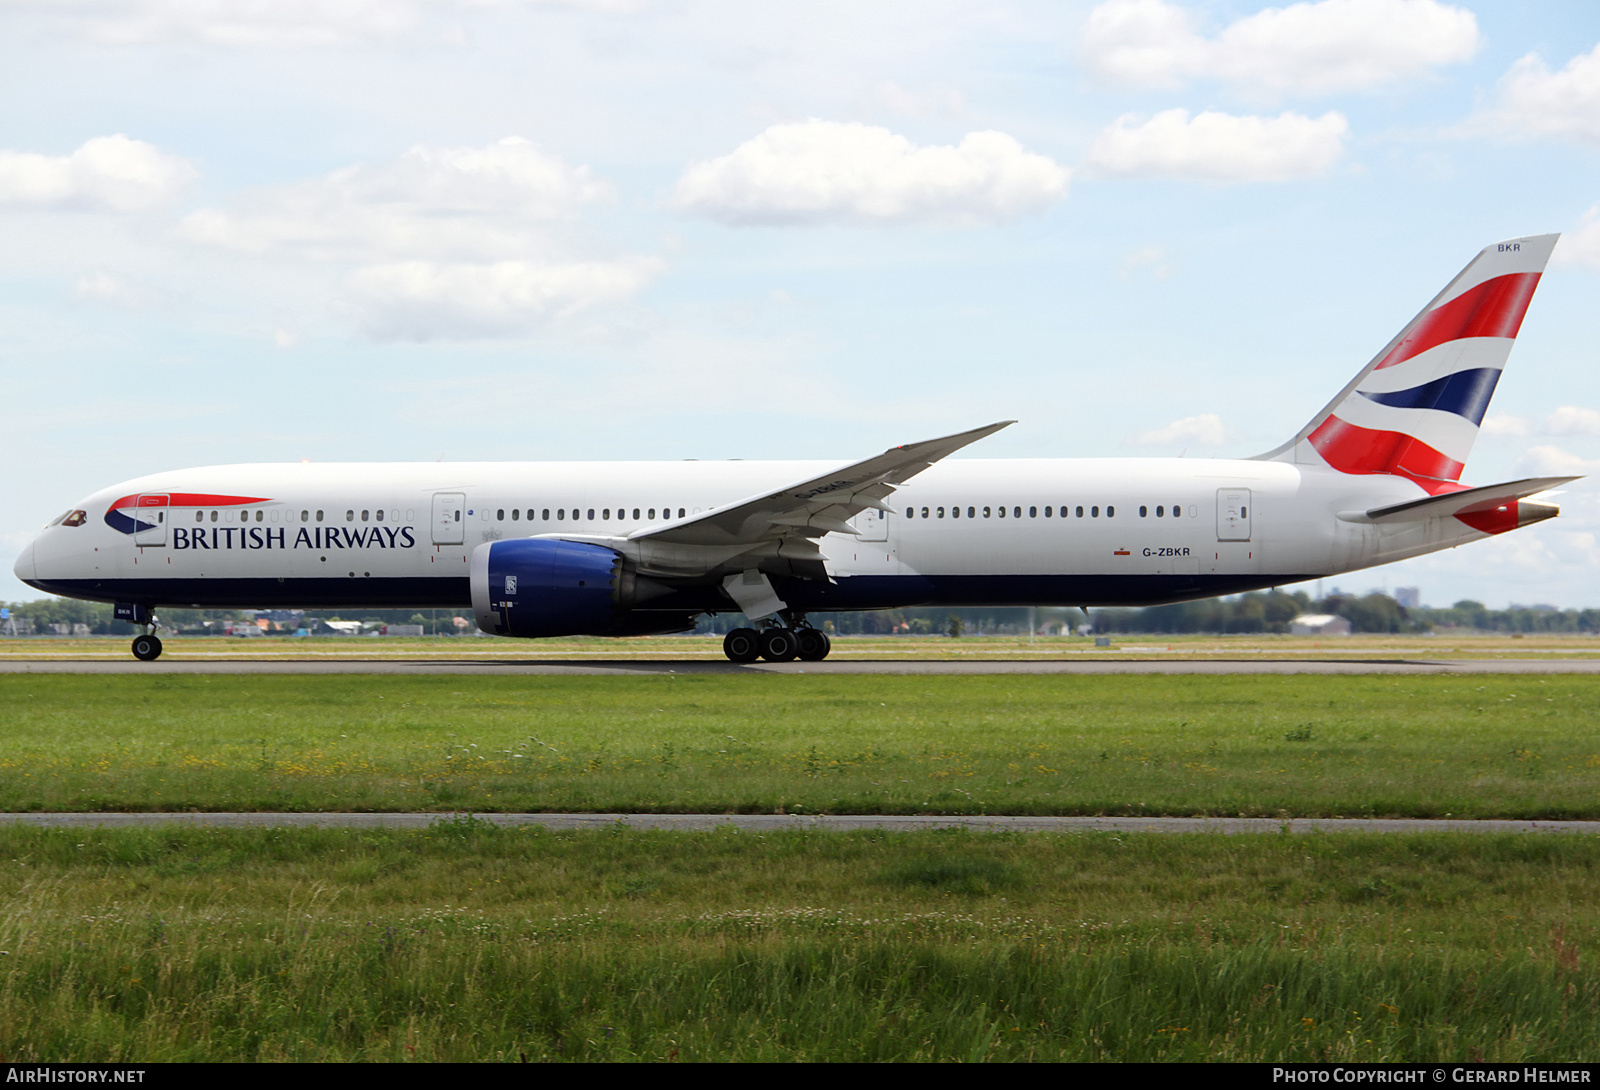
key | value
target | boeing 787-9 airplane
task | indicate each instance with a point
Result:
(633, 548)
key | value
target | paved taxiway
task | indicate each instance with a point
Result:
(817, 823)
(625, 668)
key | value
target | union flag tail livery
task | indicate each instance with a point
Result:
(629, 548)
(1414, 411)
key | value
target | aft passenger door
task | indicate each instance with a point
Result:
(449, 518)
(1233, 514)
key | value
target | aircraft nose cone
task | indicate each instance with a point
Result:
(24, 566)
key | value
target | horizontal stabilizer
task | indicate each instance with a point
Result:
(1469, 502)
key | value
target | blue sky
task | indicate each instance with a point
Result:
(268, 230)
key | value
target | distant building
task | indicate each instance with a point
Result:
(1319, 624)
(1409, 597)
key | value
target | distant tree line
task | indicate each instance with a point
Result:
(1243, 614)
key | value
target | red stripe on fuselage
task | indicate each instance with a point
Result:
(184, 499)
(1350, 448)
(1492, 309)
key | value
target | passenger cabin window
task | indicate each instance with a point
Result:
(380, 514)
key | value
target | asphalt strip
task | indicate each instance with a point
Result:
(819, 823)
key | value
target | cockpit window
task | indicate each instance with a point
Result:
(75, 518)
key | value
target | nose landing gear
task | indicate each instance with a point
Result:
(147, 648)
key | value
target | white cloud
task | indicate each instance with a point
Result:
(1572, 420)
(1151, 259)
(102, 287)
(448, 242)
(1506, 425)
(1582, 246)
(1207, 430)
(269, 24)
(291, 24)
(1565, 420)
(490, 202)
(1220, 147)
(1552, 461)
(426, 300)
(825, 171)
(1533, 101)
(1307, 48)
(107, 172)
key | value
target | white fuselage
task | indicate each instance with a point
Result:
(998, 532)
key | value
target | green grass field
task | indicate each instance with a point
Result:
(468, 942)
(1304, 746)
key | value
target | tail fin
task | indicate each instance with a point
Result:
(1414, 410)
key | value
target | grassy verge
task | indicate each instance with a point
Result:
(1514, 747)
(473, 943)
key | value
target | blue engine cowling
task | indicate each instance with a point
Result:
(534, 587)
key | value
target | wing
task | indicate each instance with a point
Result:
(778, 530)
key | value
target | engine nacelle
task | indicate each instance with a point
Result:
(534, 587)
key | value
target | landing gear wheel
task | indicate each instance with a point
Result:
(779, 645)
(811, 645)
(146, 648)
(742, 645)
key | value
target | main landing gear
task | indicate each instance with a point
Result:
(777, 644)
